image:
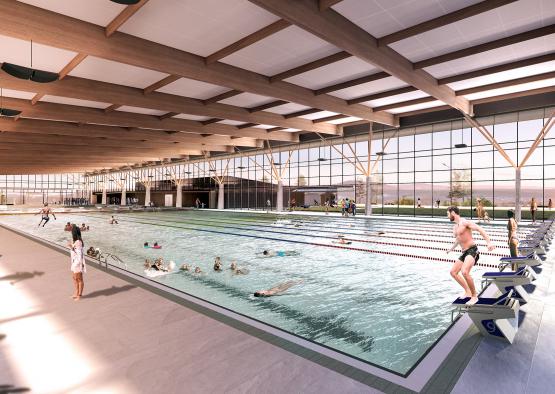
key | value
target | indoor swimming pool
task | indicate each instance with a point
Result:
(383, 296)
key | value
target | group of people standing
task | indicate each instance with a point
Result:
(348, 207)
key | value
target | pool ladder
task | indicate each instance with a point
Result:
(104, 258)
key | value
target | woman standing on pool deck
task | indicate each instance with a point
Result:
(77, 262)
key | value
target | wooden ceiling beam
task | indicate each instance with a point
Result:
(123, 17)
(71, 65)
(508, 96)
(330, 118)
(497, 69)
(168, 115)
(302, 113)
(248, 40)
(406, 103)
(161, 83)
(221, 97)
(86, 89)
(388, 93)
(325, 4)
(488, 46)
(352, 82)
(73, 113)
(27, 22)
(507, 83)
(443, 20)
(310, 66)
(246, 125)
(263, 107)
(341, 32)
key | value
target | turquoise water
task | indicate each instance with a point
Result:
(385, 309)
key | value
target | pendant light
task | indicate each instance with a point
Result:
(462, 144)
(126, 2)
(5, 111)
(322, 158)
(29, 73)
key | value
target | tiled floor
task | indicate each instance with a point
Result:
(528, 365)
(121, 338)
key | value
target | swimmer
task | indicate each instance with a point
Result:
(113, 220)
(341, 240)
(279, 253)
(145, 245)
(84, 227)
(277, 289)
(238, 270)
(148, 264)
(198, 270)
(185, 267)
(462, 231)
(67, 226)
(45, 214)
(156, 246)
(217, 264)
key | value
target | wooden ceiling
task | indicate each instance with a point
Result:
(168, 103)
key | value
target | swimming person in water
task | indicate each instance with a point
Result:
(185, 267)
(279, 253)
(238, 270)
(45, 213)
(67, 226)
(145, 245)
(113, 220)
(278, 289)
(462, 231)
(217, 264)
(198, 270)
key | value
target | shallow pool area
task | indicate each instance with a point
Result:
(384, 297)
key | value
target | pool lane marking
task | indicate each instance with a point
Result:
(298, 230)
(311, 243)
(273, 230)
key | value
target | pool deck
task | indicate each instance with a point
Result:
(122, 337)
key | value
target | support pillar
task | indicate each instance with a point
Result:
(279, 200)
(123, 197)
(179, 197)
(368, 202)
(518, 213)
(221, 195)
(147, 196)
(104, 197)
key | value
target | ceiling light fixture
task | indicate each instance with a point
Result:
(5, 111)
(126, 2)
(29, 73)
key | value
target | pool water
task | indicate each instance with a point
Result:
(376, 301)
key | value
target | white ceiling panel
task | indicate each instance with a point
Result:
(117, 73)
(281, 51)
(72, 101)
(97, 12)
(396, 99)
(370, 16)
(247, 100)
(191, 88)
(512, 89)
(137, 110)
(365, 89)
(13, 50)
(417, 107)
(504, 76)
(319, 115)
(263, 126)
(288, 108)
(231, 122)
(345, 120)
(201, 27)
(337, 72)
(523, 50)
(192, 117)
(17, 94)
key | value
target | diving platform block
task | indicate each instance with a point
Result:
(530, 260)
(512, 280)
(494, 317)
(527, 247)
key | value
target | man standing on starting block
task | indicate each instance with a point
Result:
(462, 231)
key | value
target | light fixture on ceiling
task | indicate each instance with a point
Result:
(241, 168)
(126, 2)
(212, 170)
(29, 73)
(188, 172)
(6, 111)
(380, 153)
(277, 164)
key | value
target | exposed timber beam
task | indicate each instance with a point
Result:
(325, 4)
(263, 107)
(222, 96)
(246, 125)
(123, 17)
(352, 82)
(302, 113)
(488, 46)
(71, 65)
(541, 136)
(330, 118)
(388, 93)
(27, 22)
(341, 32)
(497, 69)
(112, 107)
(310, 66)
(508, 96)
(168, 115)
(503, 84)
(406, 103)
(248, 40)
(443, 20)
(37, 98)
(161, 83)
(86, 89)
(71, 113)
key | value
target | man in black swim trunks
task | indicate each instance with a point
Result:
(45, 213)
(462, 231)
